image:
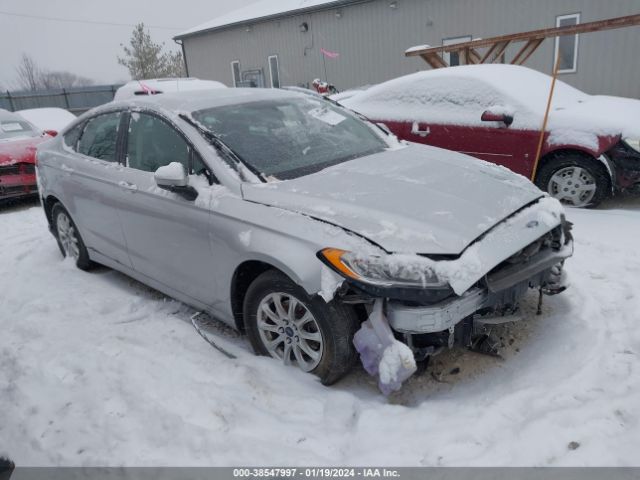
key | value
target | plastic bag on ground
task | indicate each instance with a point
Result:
(381, 354)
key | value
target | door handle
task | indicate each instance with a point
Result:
(132, 187)
(66, 169)
(415, 129)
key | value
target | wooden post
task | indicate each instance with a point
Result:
(556, 68)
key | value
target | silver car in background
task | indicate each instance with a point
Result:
(288, 217)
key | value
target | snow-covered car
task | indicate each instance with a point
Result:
(48, 119)
(18, 141)
(496, 112)
(155, 86)
(292, 219)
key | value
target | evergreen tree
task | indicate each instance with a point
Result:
(146, 59)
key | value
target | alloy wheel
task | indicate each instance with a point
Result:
(289, 331)
(67, 235)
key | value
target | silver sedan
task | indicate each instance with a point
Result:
(288, 218)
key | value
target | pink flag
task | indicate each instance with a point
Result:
(329, 54)
(147, 89)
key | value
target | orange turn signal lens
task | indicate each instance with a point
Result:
(334, 257)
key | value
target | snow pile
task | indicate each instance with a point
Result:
(48, 118)
(99, 370)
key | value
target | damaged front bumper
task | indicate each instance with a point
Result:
(503, 288)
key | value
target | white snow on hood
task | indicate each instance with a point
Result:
(417, 199)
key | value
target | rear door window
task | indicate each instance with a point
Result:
(72, 136)
(100, 137)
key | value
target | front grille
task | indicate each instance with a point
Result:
(17, 190)
(18, 169)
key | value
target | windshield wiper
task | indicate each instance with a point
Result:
(221, 147)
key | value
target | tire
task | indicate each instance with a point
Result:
(69, 239)
(570, 176)
(332, 323)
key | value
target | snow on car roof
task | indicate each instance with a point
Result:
(260, 10)
(510, 80)
(459, 95)
(164, 85)
(190, 101)
(50, 118)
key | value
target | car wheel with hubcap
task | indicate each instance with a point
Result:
(69, 240)
(575, 180)
(283, 321)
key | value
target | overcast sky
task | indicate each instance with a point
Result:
(90, 49)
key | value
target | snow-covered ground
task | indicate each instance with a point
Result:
(96, 369)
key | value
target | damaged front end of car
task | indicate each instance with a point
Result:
(431, 303)
(623, 163)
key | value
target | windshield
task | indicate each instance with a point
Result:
(292, 137)
(16, 128)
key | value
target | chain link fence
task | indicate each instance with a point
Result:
(77, 99)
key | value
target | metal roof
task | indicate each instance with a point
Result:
(264, 10)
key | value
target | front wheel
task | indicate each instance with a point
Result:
(69, 240)
(286, 323)
(575, 180)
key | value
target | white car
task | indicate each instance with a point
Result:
(154, 86)
(292, 219)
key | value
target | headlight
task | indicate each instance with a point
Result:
(635, 144)
(381, 270)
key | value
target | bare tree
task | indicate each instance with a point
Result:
(145, 59)
(62, 79)
(31, 77)
(28, 73)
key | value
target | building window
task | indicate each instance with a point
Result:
(235, 72)
(453, 58)
(274, 71)
(567, 46)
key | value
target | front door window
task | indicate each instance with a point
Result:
(153, 143)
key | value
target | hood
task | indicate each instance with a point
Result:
(19, 150)
(415, 199)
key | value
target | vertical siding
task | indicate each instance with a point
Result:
(371, 38)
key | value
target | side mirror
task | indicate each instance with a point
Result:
(173, 178)
(495, 116)
(51, 133)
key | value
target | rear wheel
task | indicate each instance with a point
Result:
(286, 323)
(576, 180)
(69, 240)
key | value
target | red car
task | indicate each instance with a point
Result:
(495, 113)
(18, 141)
